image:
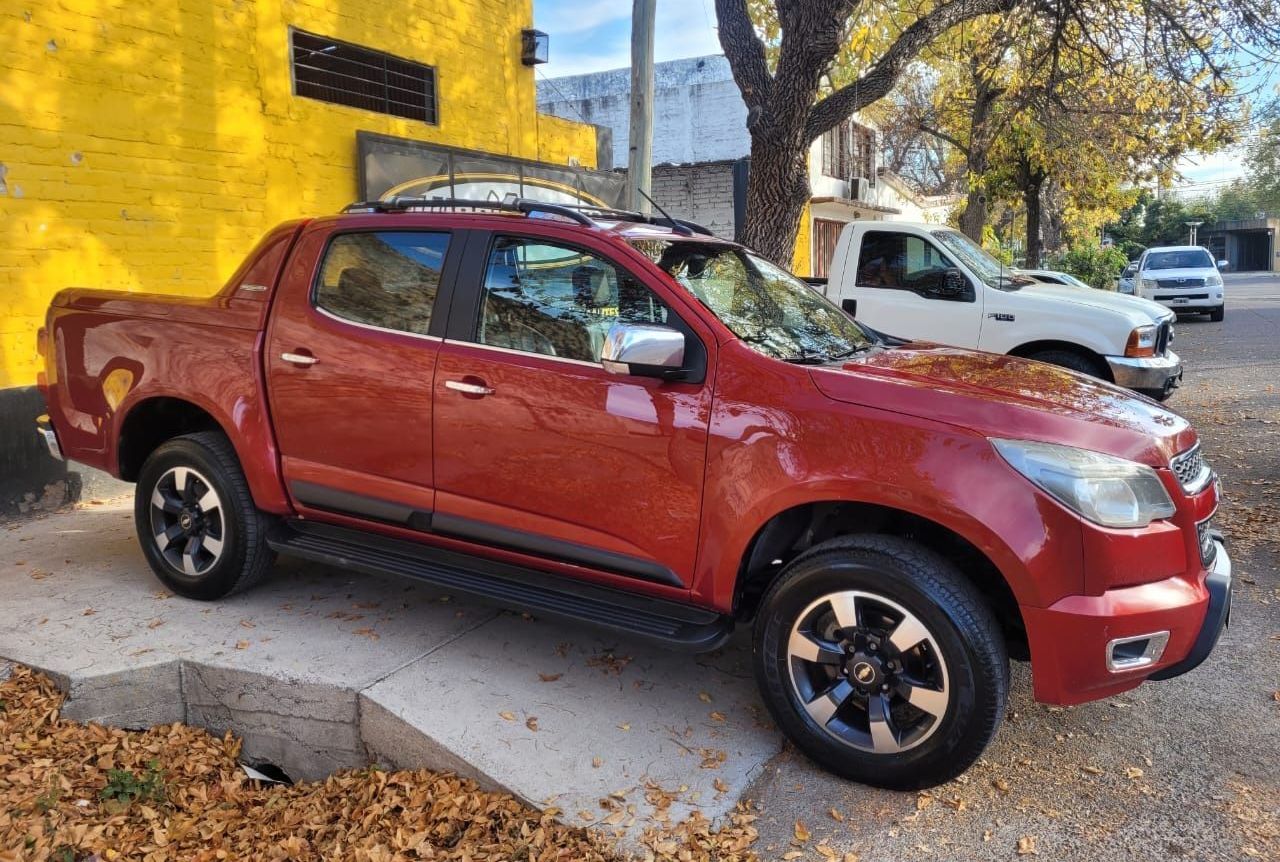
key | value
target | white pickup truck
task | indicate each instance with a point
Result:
(928, 282)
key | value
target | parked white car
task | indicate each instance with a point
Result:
(1053, 276)
(927, 282)
(1183, 278)
(1125, 284)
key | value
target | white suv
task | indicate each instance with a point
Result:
(1183, 278)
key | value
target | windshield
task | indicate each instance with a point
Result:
(1192, 258)
(767, 307)
(1073, 281)
(980, 263)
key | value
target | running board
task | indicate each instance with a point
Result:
(671, 624)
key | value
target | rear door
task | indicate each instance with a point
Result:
(537, 448)
(896, 286)
(350, 359)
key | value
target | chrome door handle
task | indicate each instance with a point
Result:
(468, 388)
(299, 358)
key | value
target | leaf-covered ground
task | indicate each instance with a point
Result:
(72, 792)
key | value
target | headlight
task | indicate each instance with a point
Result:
(1214, 280)
(1146, 284)
(1107, 490)
(1142, 342)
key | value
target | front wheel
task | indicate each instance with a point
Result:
(1073, 360)
(196, 520)
(881, 662)
(1217, 314)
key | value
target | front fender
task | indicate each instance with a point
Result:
(763, 461)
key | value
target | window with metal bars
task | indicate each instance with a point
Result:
(848, 150)
(346, 74)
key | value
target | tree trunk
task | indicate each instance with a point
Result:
(976, 208)
(777, 191)
(1031, 198)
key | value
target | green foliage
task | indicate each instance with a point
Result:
(49, 799)
(125, 787)
(1092, 264)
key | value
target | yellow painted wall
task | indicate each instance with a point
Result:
(802, 260)
(148, 145)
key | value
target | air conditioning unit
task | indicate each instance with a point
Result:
(860, 189)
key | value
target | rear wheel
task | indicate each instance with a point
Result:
(1217, 314)
(196, 520)
(881, 662)
(1073, 360)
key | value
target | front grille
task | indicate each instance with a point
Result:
(1180, 282)
(1172, 296)
(1192, 471)
(1208, 547)
(1163, 336)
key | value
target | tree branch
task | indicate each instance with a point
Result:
(744, 51)
(876, 83)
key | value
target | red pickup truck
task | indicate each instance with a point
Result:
(624, 420)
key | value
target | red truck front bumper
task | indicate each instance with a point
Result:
(1088, 647)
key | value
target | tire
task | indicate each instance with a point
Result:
(1217, 314)
(889, 586)
(213, 546)
(1073, 360)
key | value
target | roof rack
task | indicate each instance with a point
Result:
(578, 213)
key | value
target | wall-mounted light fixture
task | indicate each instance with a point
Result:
(535, 47)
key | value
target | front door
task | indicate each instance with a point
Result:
(897, 289)
(539, 450)
(350, 359)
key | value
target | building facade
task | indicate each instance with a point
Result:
(701, 150)
(148, 146)
(1248, 245)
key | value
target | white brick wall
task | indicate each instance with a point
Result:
(697, 110)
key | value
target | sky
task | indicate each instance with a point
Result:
(594, 35)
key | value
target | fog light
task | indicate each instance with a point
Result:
(1125, 654)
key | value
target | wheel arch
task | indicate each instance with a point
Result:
(794, 529)
(153, 421)
(1030, 348)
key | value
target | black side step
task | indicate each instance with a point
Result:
(669, 623)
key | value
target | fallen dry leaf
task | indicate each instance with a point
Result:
(242, 644)
(549, 677)
(55, 769)
(531, 722)
(717, 716)
(801, 832)
(706, 698)
(836, 815)
(508, 716)
(1027, 845)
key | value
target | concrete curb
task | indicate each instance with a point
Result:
(321, 669)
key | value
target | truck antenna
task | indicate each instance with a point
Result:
(675, 225)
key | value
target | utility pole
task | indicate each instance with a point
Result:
(640, 154)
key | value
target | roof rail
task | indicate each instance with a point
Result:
(579, 213)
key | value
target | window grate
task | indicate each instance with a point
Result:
(347, 74)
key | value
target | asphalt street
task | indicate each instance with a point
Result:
(1183, 769)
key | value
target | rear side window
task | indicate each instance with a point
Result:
(387, 279)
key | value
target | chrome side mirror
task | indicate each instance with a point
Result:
(642, 350)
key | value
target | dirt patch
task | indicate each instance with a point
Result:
(73, 792)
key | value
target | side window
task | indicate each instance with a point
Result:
(554, 300)
(900, 261)
(386, 279)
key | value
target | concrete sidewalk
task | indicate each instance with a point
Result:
(321, 669)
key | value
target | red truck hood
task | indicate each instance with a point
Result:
(1004, 396)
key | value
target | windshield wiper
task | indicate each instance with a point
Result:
(807, 356)
(853, 351)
